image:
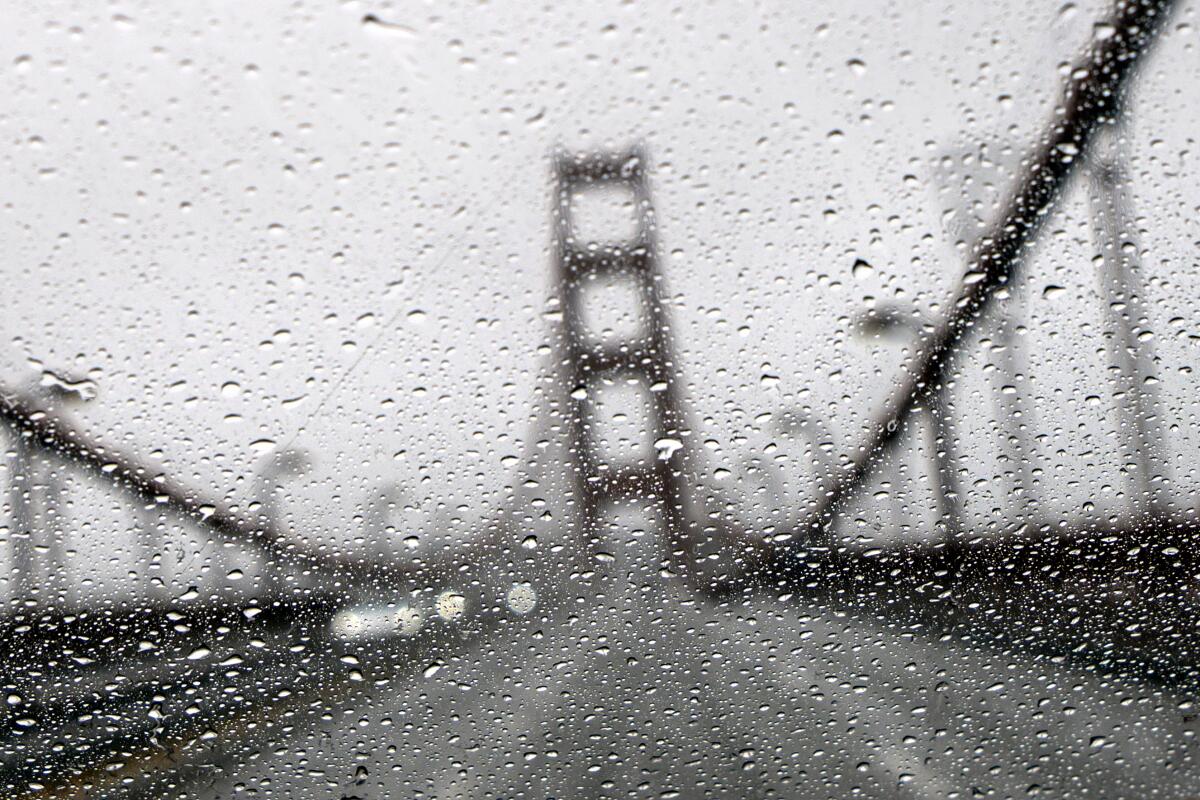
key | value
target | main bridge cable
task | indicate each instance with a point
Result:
(150, 485)
(1092, 97)
(338, 572)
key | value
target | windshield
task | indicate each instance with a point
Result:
(502, 400)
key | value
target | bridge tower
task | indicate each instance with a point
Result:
(641, 358)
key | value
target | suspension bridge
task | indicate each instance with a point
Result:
(173, 685)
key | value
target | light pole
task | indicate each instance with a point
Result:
(887, 320)
(379, 508)
(288, 463)
(1010, 406)
(1125, 311)
(816, 434)
(33, 530)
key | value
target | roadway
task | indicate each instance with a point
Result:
(638, 689)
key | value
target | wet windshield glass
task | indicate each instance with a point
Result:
(503, 400)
